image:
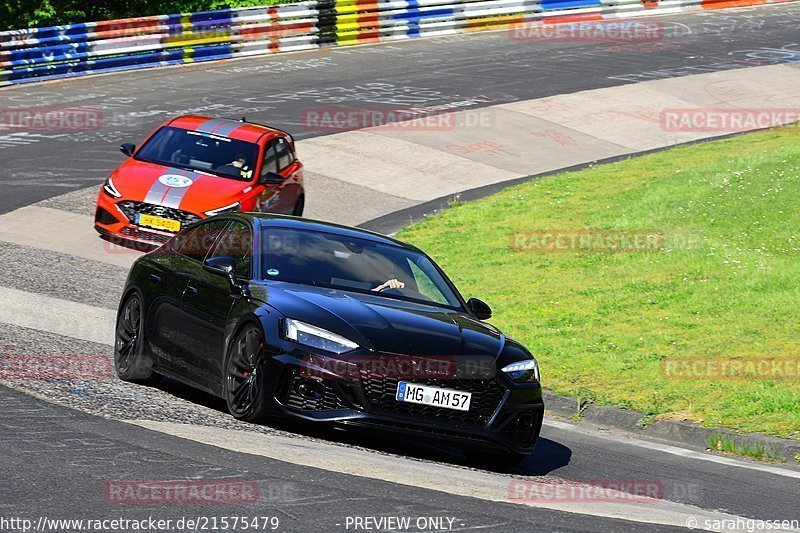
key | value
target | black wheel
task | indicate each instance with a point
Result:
(299, 206)
(244, 376)
(130, 360)
(494, 459)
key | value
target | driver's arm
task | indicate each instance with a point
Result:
(390, 284)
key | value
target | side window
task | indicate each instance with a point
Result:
(425, 285)
(270, 159)
(285, 154)
(200, 240)
(237, 242)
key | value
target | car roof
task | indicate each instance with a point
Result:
(291, 222)
(230, 128)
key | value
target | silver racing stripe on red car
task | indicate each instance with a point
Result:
(162, 192)
(220, 127)
(175, 194)
(209, 125)
(156, 193)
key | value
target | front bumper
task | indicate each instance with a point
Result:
(116, 226)
(503, 415)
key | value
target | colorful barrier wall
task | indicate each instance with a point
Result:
(46, 53)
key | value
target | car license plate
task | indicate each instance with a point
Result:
(158, 222)
(427, 395)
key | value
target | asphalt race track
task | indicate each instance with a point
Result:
(303, 499)
(423, 73)
(57, 459)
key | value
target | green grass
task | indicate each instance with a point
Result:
(726, 284)
(723, 444)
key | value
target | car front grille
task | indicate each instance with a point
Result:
(486, 397)
(144, 235)
(131, 209)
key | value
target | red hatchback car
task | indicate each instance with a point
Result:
(193, 167)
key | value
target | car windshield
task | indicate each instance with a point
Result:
(353, 264)
(205, 152)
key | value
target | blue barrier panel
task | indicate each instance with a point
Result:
(162, 57)
(417, 14)
(224, 16)
(46, 53)
(566, 4)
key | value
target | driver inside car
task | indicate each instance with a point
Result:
(239, 162)
(390, 284)
(238, 166)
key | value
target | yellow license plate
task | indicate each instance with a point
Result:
(158, 222)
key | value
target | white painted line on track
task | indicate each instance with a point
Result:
(61, 231)
(432, 476)
(70, 319)
(674, 450)
(395, 166)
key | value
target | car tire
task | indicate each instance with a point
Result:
(299, 206)
(494, 459)
(131, 360)
(244, 376)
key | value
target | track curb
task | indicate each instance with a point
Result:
(687, 434)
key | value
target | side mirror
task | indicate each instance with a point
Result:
(127, 149)
(479, 309)
(223, 265)
(271, 178)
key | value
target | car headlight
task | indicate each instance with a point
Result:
(109, 189)
(523, 371)
(315, 337)
(227, 209)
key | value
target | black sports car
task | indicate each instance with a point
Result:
(331, 324)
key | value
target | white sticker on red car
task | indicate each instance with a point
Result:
(175, 181)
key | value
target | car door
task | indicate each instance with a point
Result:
(208, 300)
(165, 281)
(176, 334)
(291, 171)
(279, 158)
(269, 198)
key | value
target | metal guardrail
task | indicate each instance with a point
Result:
(60, 51)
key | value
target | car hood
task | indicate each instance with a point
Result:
(384, 324)
(177, 188)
